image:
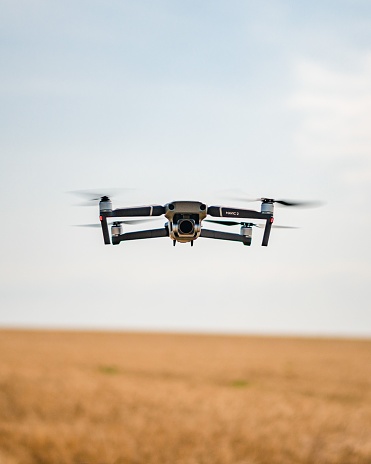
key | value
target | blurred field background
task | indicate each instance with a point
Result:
(112, 398)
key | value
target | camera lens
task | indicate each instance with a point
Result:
(185, 226)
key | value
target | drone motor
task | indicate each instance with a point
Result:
(105, 205)
(116, 229)
(246, 231)
(267, 206)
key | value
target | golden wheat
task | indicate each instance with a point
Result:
(133, 398)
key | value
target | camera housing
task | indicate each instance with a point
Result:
(185, 219)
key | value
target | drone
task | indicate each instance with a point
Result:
(184, 220)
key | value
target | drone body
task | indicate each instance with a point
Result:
(184, 221)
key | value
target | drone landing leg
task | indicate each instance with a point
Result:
(106, 238)
(267, 231)
(174, 242)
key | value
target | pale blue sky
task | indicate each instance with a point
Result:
(182, 100)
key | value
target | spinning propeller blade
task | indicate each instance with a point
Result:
(248, 224)
(232, 223)
(92, 197)
(133, 222)
(299, 204)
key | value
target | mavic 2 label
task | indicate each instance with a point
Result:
(232, 213)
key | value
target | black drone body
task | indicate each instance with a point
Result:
(184, 221)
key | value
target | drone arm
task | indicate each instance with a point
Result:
(207, 233)
(220, 211)
(233, 213)
(153, 233)
(154, 210)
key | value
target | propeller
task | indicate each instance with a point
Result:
(92, 197)
(132, 222)
(233, 223)
(299, 204)
(247, 224)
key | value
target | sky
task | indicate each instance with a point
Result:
(186, 100)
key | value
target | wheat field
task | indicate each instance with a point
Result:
(117, 398)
